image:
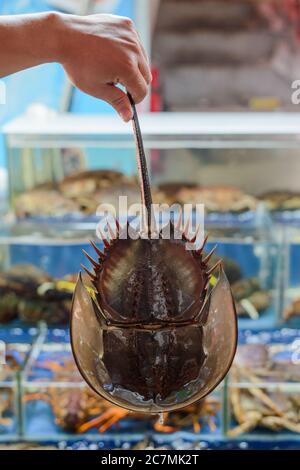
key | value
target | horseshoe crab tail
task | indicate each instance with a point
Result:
(142, 165)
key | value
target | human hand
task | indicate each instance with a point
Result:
(100, 51)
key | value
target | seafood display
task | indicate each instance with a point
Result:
(140, 349)
(83, 192)
(79, 193)
(263, 395)
(292, 310)
(251, 299)
(264, 389)
(231, 268)
(30, 294)
(281, 200)
(215, 198)
(15, 355)
(54, 379)
(151, 299)
(72, 406)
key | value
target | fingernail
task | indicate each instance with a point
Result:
(125, 114)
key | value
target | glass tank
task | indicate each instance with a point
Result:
(263, 388)
(38, 272)
(15, 348)
(251, 259)
(242, 166)
(62, 165)
(291, 277)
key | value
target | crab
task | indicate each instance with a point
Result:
(154, 335)
(259, 405)
(31, 295)
(251, 299)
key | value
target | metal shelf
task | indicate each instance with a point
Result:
(160, 130)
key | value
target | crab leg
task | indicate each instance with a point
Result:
(51, 365)
(5, 421)
(161, 427)
(196, 424)
(270, 421)
(211, 424)
(235, 398)
(251, 423)
(262, 395)
(106, 419)
(117, 416)
(37, 396)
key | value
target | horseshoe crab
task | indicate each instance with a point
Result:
(153, 336)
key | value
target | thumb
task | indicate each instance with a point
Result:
(119, 100)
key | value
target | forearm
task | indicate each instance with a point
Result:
(27, 41)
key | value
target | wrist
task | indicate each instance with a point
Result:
(67, 33)
(50, 38)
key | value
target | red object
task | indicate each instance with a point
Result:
(292, 8)
(155, 102)
(155, 106)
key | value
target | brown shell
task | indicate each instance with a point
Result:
(153, 349)
(148, 281)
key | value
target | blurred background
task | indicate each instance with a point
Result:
(221, 126)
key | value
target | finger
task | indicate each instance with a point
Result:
(144, 63)
(135, 84)
(145, 70)
(118, 99)
(144, 53)
(142, 47)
